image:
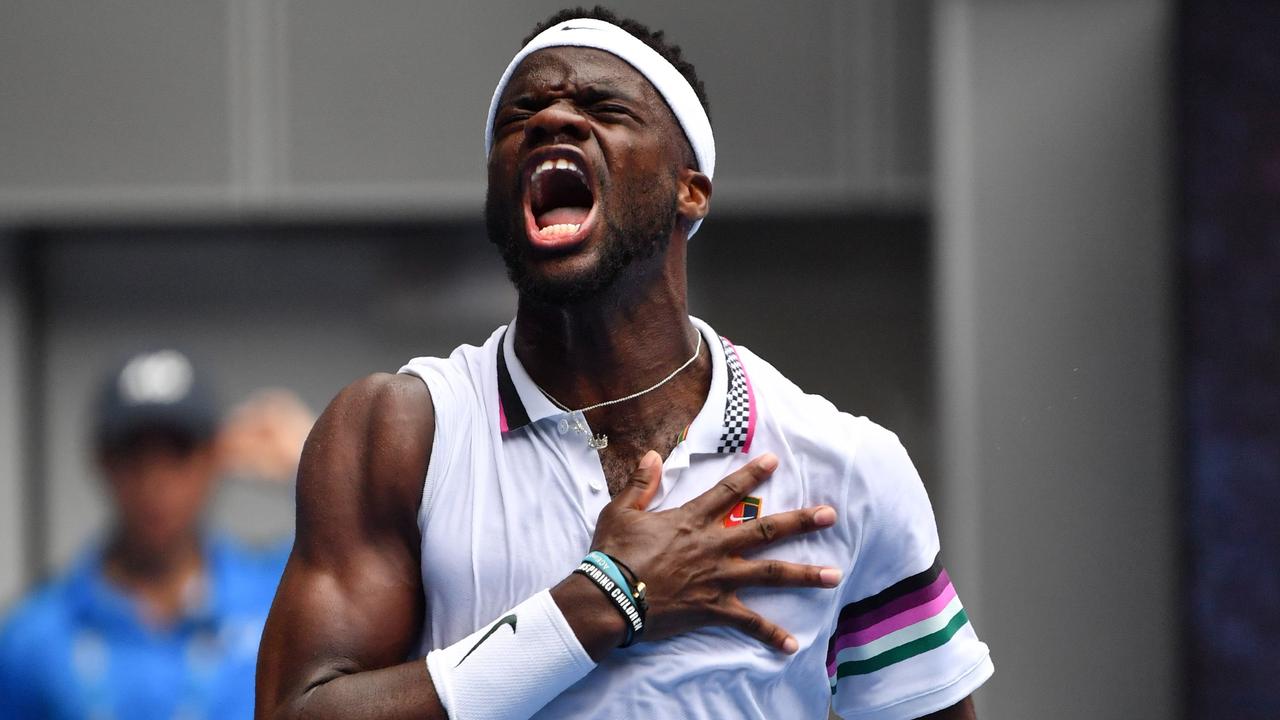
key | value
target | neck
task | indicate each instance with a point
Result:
(161, 580)
(613, 346)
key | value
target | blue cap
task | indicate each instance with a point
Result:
(156, 391)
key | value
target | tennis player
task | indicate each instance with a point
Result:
(607, 510)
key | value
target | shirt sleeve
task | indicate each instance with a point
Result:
(902, 646)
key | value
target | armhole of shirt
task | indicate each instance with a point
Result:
(437, 464)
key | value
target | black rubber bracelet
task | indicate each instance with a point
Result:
(619, 598)
(618, 595)
(630, 574)
(636, 585)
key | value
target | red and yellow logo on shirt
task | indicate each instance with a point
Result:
(747, 509)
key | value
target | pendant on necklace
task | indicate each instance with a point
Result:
(598, 442)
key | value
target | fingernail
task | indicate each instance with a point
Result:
(790, 645)
(825, 516)
(768, 462)
(830, 576)
(648, 460)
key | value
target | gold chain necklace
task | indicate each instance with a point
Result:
(601, 441)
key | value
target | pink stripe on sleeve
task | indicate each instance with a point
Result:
(897, 622)
(854, 623)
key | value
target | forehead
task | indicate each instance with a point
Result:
(561, 68)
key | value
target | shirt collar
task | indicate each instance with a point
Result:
(520, 402)
(725, 425)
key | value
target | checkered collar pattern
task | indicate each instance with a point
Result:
(726, 424)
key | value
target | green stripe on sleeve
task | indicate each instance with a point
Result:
(904, 651)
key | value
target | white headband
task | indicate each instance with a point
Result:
(670, 84)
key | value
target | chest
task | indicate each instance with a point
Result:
(625, 449)
(514, 515)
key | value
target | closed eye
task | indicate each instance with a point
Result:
(517, 110)
(612, 112)
(510, 116)
(604, 101)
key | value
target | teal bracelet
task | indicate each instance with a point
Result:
(610, 568)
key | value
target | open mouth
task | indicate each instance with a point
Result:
(558, 201)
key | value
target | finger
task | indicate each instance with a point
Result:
(643, 484)
(743, 618)
(778, 573)
(772, 528)
(736, 485)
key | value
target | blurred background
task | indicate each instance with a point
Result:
(1040, 240)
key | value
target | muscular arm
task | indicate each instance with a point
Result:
(349, 608)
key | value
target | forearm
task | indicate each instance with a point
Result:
(597, 626)
(402, 691)
(341, 689)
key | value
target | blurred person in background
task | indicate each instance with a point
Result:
(163, 618)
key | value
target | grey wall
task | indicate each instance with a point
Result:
(1057, 355)
(329, 107)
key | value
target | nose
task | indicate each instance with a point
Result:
(557, 121)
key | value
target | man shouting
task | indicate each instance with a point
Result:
(607, 510)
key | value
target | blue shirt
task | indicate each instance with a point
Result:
(79, 648)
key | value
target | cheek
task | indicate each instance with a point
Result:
(183, 489)
(639, 165)
(502, 165)
(198, 483)
(128, 496)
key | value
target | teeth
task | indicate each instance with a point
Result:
(560, 229)
(558, 164)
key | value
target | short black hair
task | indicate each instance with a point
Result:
(655, 39)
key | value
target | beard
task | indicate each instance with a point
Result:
(637, 230)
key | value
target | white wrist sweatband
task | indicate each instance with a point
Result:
(511, 667)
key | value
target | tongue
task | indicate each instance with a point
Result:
(563, 215)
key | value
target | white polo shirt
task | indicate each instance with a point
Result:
(510, 505)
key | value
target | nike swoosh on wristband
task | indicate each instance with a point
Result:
(508, 620)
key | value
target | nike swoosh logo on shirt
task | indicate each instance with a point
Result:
(508, 620)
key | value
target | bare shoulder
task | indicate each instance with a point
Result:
(365, 461)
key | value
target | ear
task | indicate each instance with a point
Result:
(693, 196)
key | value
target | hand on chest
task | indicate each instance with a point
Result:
(539, 521)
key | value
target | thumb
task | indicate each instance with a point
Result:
(643, 484)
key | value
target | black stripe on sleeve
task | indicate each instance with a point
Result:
(894, 591)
